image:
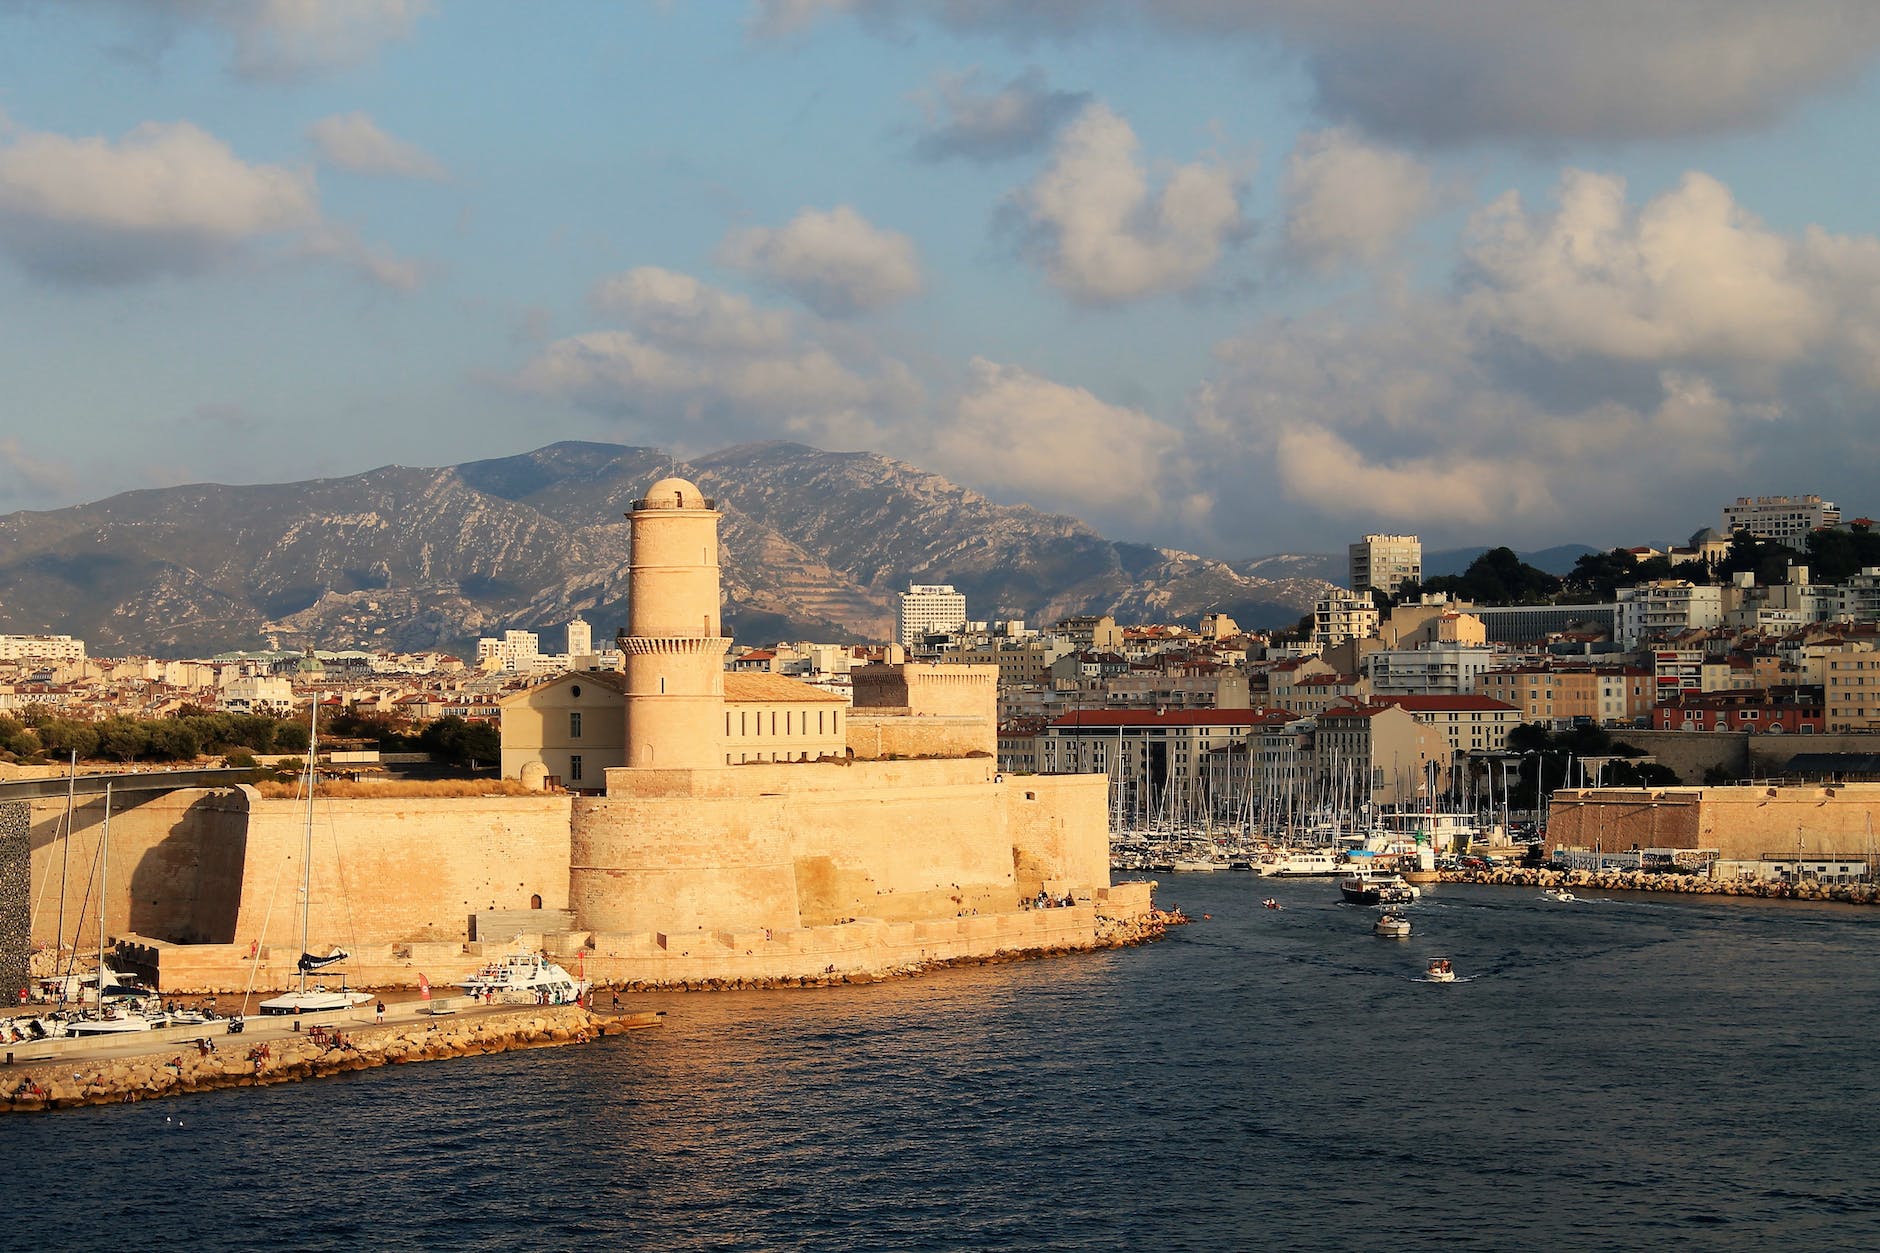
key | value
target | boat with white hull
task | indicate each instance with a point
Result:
(525, 974)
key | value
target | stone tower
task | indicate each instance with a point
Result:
(674, 650)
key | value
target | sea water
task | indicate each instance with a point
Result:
(1623, 1072)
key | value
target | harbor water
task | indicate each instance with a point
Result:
(1621, 1072)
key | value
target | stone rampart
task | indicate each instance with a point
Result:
(1744, 822)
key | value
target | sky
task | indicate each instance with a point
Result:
(1234, 277)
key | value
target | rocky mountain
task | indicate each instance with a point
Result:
(815, 546)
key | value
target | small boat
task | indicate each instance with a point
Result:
(1270, 903)
(1559, 894)
(1440, 971)
(1392, 927)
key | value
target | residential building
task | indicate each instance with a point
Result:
(1785, 519)
(1340, 615)
(1383, 562)
(1470, 724)
(927, 609)
(1793, 711)
(41, 648)
(580, 638)
(1155, 757)
(1389, 750)
(1559, 697)
(1438, 669)
(1663, 608)
(1851, 690)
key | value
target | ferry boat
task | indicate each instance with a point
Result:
(1378, 887)
(529, 975)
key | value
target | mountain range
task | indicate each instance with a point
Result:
(815, 546)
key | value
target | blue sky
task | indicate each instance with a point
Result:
(1234, 277)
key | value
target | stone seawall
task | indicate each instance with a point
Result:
(243, 1062)
(1695, 885)
(1110, 933)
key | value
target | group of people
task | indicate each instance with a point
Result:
(1044, 900)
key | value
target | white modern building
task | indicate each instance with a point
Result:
(1785, 519)
(580, 638)
(1439, 669)
(1383, 562)
(927, 609)
(1340, 615)
(1666, 607)
(41, 648)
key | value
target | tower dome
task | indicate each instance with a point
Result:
(673, 493)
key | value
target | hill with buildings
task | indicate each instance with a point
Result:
(815, 546)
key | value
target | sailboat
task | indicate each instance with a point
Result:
(109, 1019)
(318, 998)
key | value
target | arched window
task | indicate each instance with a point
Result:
(535, 902)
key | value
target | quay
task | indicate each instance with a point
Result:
(171, 1061)
(1654, 881)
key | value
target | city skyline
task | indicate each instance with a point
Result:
(1233, 278)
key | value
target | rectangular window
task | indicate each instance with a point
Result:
(574, 768)
(574, 725)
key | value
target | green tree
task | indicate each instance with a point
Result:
(1836, 555)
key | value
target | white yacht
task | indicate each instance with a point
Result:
(529, 974)
(1312, 863)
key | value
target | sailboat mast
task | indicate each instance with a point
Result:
(104, 887)
(306, 853)
(65, 865)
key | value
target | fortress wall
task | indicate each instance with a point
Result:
(782, 778)
(1743, 822)
(681, 862)
(400, 868)
(1060, 829)
(901, 852)
(872, 737)
(176, 866)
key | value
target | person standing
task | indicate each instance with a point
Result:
(381, 1009)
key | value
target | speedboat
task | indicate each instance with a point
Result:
(1392, 927)
(525, 974)
(1270, 903)
(1440, 971)
(1559, 894)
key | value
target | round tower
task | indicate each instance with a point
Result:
(675, 653)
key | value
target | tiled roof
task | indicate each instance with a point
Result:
(773, 687)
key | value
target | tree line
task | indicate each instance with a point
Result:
(39, 735)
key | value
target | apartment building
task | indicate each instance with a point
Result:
(1785, 519)
(1383, 562)
(927, 609)
(1664, 608)
(1340, 615)
(1851, 690)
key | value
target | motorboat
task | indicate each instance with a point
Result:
(1560, 894)
(1392, 926)
(111, 1021)
(1305, 865)
(1378, 887)
(1440, 971)
(526, 974)
(1270, 903)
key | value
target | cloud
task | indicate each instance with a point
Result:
(834, 261)
(1690, 276)
(1458, 71)
(701, 366)
(372, 261)
(1103, 237)
(166, 199)
(1015, 431)
(965, 117)
(1603, 366)
(353, 141)
(1348, 200)
(288, 40)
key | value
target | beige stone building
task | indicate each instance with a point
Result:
(1387, 749)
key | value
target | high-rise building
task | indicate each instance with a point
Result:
(1340, 615)
(1785, 519)
(927, 609)
(1383, 562)
(580, 638)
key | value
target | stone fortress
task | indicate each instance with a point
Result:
(746, 827)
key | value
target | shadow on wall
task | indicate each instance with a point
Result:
(187, 887)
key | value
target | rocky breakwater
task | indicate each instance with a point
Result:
(1140, 928)
(242, 1061)
(1654, 881)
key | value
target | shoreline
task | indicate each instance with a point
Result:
(1679, 884)
(244, 1061)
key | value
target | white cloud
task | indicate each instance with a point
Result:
(1690, 276)
(1016, 431)
(1349, 200)
(1101, 234)
(353, 141)
(966, 117)
(700, 366)
(1459, 71)
(167, 198)
(834, 261)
